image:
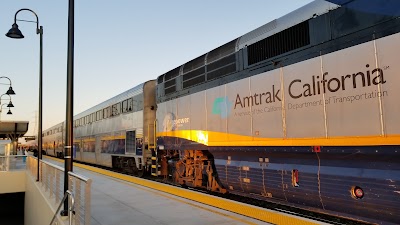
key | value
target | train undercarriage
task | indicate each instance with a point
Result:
(193, 168)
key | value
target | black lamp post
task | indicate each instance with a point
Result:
(10, 90)
(14, 32)
(69, 120)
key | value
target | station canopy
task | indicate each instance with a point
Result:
(13, 129)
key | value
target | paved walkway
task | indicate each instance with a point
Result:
(117, 202)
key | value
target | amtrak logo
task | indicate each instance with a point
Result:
(222, 106)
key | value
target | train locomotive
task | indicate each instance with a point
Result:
(302, 111)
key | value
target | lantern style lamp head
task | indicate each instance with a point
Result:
(10, 91)
(14, 32)
(10, 104)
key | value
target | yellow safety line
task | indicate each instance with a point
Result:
(239, 208)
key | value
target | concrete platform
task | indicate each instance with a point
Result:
(119, 202)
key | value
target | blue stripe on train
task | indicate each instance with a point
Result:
(328, 170)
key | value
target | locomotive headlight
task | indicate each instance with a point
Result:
(161, 147)
(357, 192)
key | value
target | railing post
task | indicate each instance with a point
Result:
(88, 187)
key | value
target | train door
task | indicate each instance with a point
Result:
(130, 143)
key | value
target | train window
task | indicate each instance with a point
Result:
(93, 117)
(138, 102)
(130, 104)
(98, 115)
(135, 105)
(107, 112)
(125, 106)
(116, 109)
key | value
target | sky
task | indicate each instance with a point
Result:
(118, 45)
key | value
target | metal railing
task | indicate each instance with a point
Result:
(70, 210)
(12, 162)
(52, 176)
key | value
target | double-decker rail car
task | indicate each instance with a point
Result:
(53, 140)
(113, 133)
(303, 110)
